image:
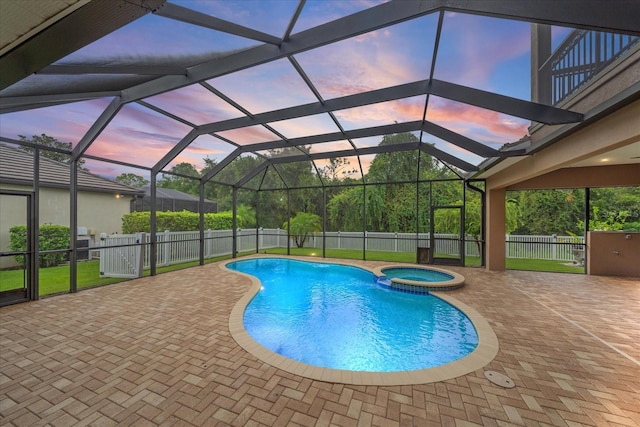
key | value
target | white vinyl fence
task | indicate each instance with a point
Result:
(127, 255)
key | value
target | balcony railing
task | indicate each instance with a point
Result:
(581, 56)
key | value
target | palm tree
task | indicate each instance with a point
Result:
(302, 225)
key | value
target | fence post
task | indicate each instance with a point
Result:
(554, 239)
(338, 239)
(103, 255)
(508, 246)
(166, 252)
(395, 246)
(140, 250)
(207, 244)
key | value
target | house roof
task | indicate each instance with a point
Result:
(16, 167)
(169, 193)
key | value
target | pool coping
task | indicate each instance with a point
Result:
(456, 282)
(484, 353)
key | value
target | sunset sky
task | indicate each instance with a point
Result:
(480, 52)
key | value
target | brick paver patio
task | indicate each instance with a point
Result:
(157, 351)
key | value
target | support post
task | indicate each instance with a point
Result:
(73, 226)
(496, 229)
(364, 222)
(153, 239)
(201, 224)
(324, 221)
(34, 218)
(587, 219)
(288, 222)
(540, 66)
(234, 224)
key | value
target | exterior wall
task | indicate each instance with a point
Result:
(616, 130)
(550, 168)
(613, 253)
(98, 212)
(593, 176)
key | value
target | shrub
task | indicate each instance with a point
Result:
(136, 222)
(50, 237)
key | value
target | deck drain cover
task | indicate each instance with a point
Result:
(499, 379)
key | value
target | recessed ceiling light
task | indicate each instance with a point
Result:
(605, 159)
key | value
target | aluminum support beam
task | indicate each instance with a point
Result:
(361, 152)
(504, 104)
(446, 157)
(452, 91)
(294, 19)
(177, 149)
(166, 113)
(358, 23)
(342, 103)
(150, 70)
(338, 136)
(13, 104)
(223, 164)
(179, 13)
(376, 96)
(621, 16)
(90, 22)
(98, 126)
(459, 140)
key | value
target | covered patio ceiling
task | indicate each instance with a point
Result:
(148, 84)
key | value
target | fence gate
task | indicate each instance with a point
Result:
(446, 248)
(125, 257)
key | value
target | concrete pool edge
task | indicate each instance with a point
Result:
(484, 353)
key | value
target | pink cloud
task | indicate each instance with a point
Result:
(482, 125)
(248, 135)
(195, 104)
(374, 60)
(383, 113)
(305, 126)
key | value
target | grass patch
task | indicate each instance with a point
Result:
(409, 257)
(542, 265)
(55, 280)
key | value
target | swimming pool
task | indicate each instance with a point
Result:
(339, 320)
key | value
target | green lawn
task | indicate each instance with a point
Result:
(409, 257)
(56, 279)
(543, 265)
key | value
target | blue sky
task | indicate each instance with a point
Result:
(481, 52)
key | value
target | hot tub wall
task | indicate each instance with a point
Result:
(613, 253)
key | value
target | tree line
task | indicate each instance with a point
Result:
(391, 200)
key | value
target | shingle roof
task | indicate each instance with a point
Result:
(169, 193)
(16, 167)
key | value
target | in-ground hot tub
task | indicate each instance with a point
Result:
(418, 279)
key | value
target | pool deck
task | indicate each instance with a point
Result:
(158, 351)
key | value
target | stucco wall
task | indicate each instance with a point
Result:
(613, 253)
(98, 212)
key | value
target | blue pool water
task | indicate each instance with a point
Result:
(338, 317)
(416, 274)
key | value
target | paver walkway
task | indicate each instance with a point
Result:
(157, 351)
